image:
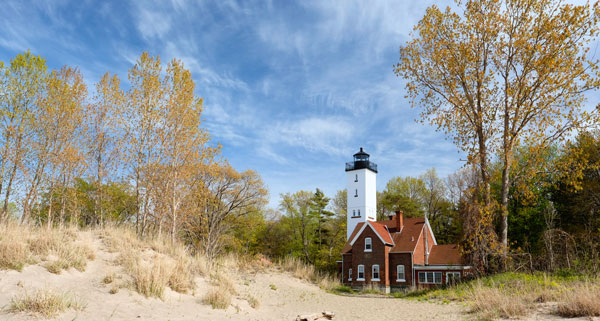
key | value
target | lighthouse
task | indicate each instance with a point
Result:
(362, 192)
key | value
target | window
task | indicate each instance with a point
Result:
(452, 277)
(349, 274)
(400, 273)
(430, 277)
(361, 273)
(353, 212)
(358, 212)
(368, 245)
(356, 193)
(356, 178)
(375, 273)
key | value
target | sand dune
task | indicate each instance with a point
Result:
(281, 297)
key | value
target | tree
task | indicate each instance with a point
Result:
(297, 207)
(501, 73)
(222, 193)
(403, 194)
(104, 139)
(57, 157)
(22, 86)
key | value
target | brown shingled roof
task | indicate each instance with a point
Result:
(348, 247)
(446, 254)
(379, 228)
(406, 240)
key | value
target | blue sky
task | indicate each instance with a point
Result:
(291, 90)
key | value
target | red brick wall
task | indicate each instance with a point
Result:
(347, 264)
(400, 259)
(368, 259)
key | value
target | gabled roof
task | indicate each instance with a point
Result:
(446, 254)
(407, 239)
(380, 230)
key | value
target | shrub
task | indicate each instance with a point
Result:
(44, 302)
(218, 298)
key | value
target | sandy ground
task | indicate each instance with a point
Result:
(291, 297)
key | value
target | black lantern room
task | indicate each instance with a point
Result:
(361, 160)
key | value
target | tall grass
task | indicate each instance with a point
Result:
(47, 303)
(218, 298)
(304, 271)
(152, 264)
(21, 245)
(514, 295)
(583, 300)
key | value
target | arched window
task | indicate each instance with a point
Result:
(356, 177)
(356, 193)
(358, 212)
(368, 245)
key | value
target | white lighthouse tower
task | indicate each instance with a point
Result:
(362, 191)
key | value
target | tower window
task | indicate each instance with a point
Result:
(358, 212)
(368, 245)
(356, 193)
(353, 212)
(356, 177)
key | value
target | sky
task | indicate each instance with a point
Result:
(290, 89)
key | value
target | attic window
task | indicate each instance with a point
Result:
(368, 245)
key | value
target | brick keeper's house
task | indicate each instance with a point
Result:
(392, 254)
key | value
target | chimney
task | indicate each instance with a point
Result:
(399, 221)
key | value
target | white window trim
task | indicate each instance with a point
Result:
(373, 272)
(426, 282)
(453, 272)
(403, 272)
(370, 244)
(349, 274)
(358, 278)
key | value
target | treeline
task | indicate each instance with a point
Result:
(137, 156)
(554, 214)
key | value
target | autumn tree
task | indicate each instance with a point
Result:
(501, 73)
(105, 136)
(145, 102)
(22, 84)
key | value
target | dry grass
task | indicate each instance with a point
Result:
(153, 265)
(47, 303)
(218, 298)
(304, 271)
(223, 282)
(581, 301)
(253, 301)
(491, 303)
(21, 245)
